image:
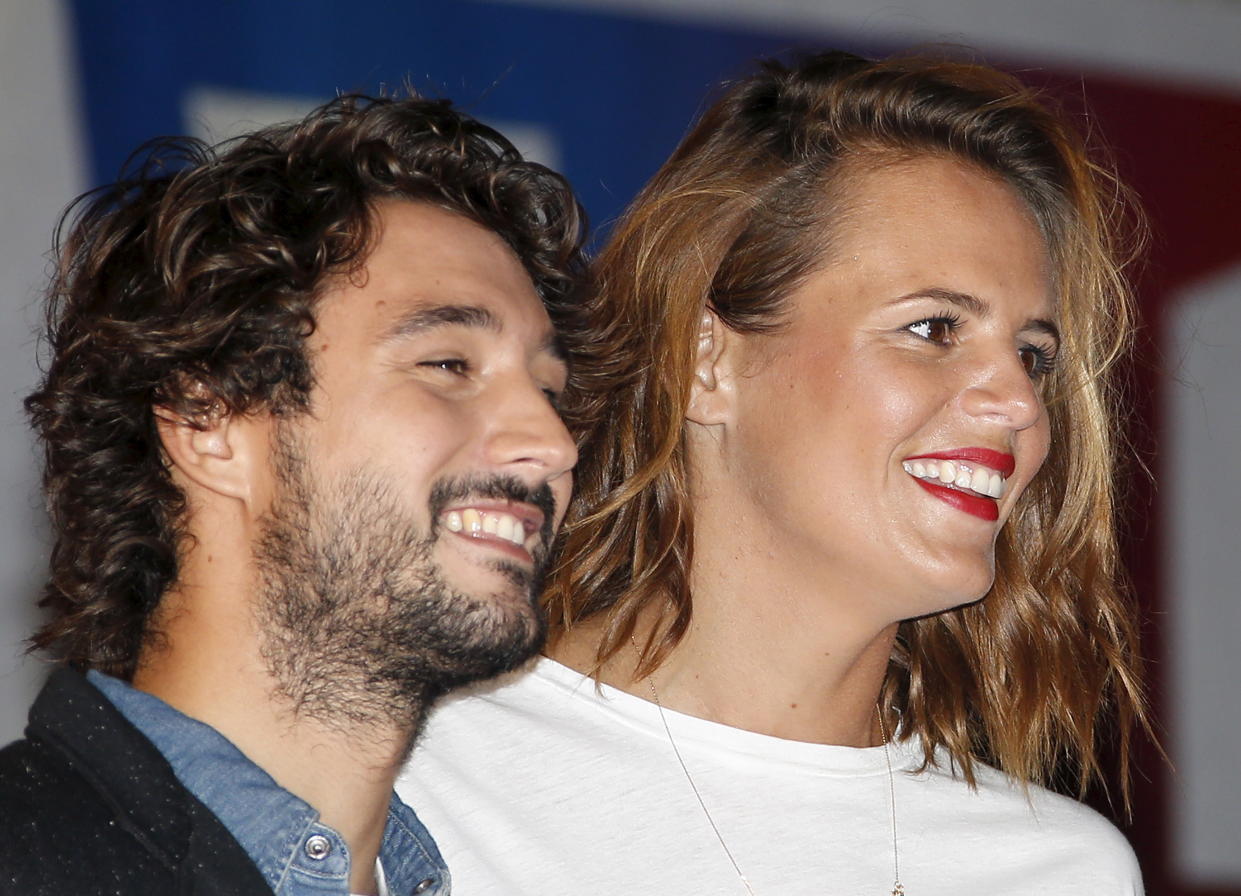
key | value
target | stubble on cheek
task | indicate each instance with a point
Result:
(360, 626)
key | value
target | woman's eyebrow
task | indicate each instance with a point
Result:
(1042, 325)
(979, 307)
(964, 300)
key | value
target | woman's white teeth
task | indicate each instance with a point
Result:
(977, 479)
(501, 525)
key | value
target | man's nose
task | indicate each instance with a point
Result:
(527, 431)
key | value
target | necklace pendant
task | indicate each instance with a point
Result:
(898, 890)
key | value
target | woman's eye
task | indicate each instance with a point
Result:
(1038, 361)
(938, 330)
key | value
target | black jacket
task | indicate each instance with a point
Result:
(88, 805)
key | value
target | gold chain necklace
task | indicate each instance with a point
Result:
(897, 888)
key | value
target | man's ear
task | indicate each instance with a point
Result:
(711, 391)
(217, 451)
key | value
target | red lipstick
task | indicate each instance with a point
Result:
(983, 508)
(1002, 463)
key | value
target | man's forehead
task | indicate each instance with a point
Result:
(430, 269)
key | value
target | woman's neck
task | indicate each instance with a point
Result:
(760, 672)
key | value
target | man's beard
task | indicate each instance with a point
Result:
(359, 626)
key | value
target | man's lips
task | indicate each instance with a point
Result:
(506, 524)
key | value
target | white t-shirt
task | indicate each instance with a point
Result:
(540, 784)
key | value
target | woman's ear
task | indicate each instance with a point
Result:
(711, 391)
(217, 451)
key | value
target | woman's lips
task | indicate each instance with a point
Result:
(1000, 461)
(970, 479)
(976, 505)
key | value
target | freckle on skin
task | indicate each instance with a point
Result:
(792, 706)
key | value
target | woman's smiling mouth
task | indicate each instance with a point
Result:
(971, 479)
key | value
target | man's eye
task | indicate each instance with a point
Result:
(936, 329)
(457, 366)
(554, 398)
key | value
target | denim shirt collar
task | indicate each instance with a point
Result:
(282, 834)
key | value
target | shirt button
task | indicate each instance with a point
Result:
(318, 847)
(425, 885)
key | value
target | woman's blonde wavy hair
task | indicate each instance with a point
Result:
(735, 219)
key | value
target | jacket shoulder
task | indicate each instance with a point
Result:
(59, 834)
(77, 818)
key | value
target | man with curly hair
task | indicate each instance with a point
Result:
(303, 462)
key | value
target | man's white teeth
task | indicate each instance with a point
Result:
(976, 479)
(475, 522)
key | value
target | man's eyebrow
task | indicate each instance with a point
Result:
(553, 345)
(432, 316)
(420, 320)
(978, 307)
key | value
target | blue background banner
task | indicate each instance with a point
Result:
(614, 93)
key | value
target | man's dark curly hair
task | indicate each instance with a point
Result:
(190, 286)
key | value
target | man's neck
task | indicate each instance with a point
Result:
(345, 772)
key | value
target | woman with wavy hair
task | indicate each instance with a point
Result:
(842, 559)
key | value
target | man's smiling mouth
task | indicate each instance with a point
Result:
(472, 521)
